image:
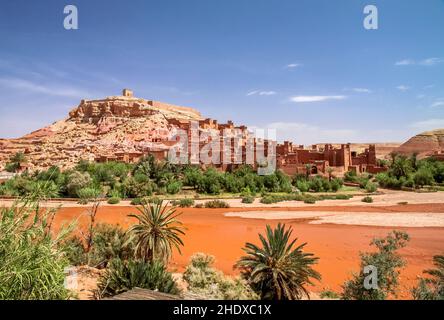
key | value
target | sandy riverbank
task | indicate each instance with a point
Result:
(394, 219)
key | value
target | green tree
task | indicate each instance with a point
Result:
(401, 167)
(15, 162)
(158, 231)
(423, 176)
(278, 270)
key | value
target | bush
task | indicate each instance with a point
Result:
(114, 200)
(370, 187)
(183, 203)
(75, 251)
(122, 276)
(431, 287)
(153, 200)
(77, 181)
(367, 199)
(204, 280)
(302, 185)
(387, 261)
(109, 242)
(329, 294)
(310, 201)
(199, 205)
(248, 199)
(88, 194)
(32, 263)
(216, 204)
(423, 177)
(174, 187)
(136, 202)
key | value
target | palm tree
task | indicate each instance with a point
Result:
(278, 271)
(307, 170)
(330, 173)
(401, 167)
(157, 232)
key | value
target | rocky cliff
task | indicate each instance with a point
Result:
(112, 128)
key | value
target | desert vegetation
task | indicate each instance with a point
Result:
(116, 181)
(32, 260)
(386, 261)
(279, 269)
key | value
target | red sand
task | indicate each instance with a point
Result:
(337, 246)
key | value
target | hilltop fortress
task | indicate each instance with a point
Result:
(126, 128)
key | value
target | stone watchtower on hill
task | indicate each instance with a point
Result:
(128, 93)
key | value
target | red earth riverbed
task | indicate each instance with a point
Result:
(337, 246)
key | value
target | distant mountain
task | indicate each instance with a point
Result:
(424, 144)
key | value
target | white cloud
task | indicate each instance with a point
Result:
(362, 90)
(427, 125)
(430, 61)
(424, 62)
(301, 99)
(402, 88)
(261, 93)
(29, 86)
(404, 62)
(267, 93)
(438, 104)
(293, 65)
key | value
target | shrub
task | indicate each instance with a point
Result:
(343, 197)
(387, 261)
(32, 263)
(183, 203)
(114, 200)
(431, 287)
(310, 201)
(329, 294)
(75, 251)
(216, 204)
(335, 185)
(109, 242)
(370, 187)
(423, 177)
(136, 202)
(199, 205)
(122, 276)
(76, 182)
(302, 185)
(367, 199)
(153, 200)
(248, 199)
(268, 200)
(88, 194)
(203, 279)
(174, 187)
(403, 203)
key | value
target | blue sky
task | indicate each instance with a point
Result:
(307, 68)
